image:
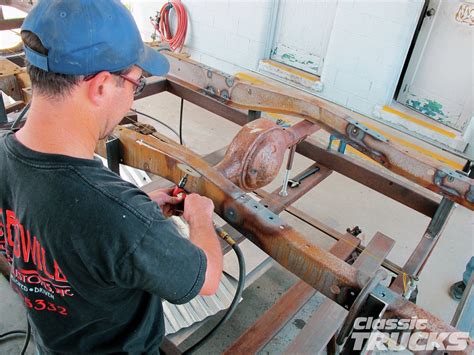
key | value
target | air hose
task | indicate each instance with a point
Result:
(176, 41)
(238, 293)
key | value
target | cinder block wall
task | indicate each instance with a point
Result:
(367, 47)
(229, 34)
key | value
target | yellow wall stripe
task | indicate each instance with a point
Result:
(420, 122)
(291, 70)
(250, 78)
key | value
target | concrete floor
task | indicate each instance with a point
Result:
(339, 202)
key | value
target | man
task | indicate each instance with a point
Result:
(92, 256)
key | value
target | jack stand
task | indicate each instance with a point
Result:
(284, 189)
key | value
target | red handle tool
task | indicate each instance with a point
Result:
(179, 191)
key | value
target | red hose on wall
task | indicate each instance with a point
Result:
(175, 42)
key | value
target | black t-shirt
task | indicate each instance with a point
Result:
(92, 256)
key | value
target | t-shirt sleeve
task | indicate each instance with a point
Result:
(163, 263)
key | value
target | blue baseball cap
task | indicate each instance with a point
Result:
(84, 37)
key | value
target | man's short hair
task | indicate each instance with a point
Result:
(47, 83)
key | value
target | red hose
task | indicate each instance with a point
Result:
(175, 42)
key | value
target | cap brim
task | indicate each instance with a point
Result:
(154, 62)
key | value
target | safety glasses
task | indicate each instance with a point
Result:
(139, 84)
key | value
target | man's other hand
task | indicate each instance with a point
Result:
(198, 209)
(165, 200)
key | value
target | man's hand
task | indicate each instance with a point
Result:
(164, 199)
(198, 209)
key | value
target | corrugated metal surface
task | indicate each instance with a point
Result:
(199, 308)
(181, 316)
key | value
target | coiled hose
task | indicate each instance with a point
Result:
(175, 42)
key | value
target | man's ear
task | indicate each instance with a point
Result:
(99, 87)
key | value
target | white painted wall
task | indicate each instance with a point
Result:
(229, 35)
(225, 33)
(367, 48)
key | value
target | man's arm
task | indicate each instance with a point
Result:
(198, 213)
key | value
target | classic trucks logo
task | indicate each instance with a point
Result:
(403, 334)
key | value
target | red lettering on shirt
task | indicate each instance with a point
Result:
(35, 276)
(25, 249)
(11, 222)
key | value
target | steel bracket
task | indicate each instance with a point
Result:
(357, 131)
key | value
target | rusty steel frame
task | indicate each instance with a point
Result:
(322, 270)
(319, 268)
(408, 194)
(227, 95)
(391, 186)
(238, 93)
